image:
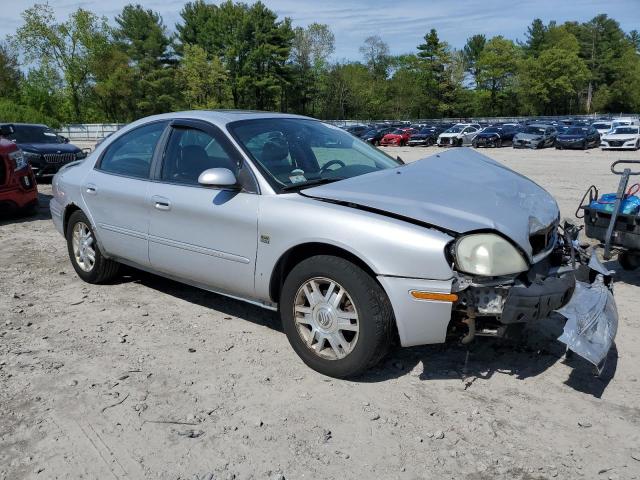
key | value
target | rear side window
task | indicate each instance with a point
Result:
(131, 154)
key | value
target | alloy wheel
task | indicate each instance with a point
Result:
(83, 249)
(326, 318)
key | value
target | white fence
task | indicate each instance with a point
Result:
(90, 132)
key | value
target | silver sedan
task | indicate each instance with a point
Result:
(354, 249)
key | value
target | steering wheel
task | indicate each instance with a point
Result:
(330, 163)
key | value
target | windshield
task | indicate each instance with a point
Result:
(625, 131)
(602, 126)
(294, 153)
(454, 129)
(492, 130)
(534, 130)
(425, 131)
(34, 134)
(576, 131)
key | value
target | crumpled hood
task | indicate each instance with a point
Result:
(459, 190)
(49, 147)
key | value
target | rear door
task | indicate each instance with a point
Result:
(116, 192)
(204, 235)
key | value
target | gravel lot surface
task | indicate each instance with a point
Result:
(147, 378)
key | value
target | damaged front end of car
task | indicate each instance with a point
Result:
(566, 281)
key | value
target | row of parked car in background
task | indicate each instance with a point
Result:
(616, 133)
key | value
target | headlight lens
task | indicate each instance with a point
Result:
(30, 156)
(489, 255)
(19, 160)
(81, 154)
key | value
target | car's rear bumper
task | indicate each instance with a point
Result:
(57, 214)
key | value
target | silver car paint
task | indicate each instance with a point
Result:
(458, 190)
(232, 245)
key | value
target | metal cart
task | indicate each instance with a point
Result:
(618, 232)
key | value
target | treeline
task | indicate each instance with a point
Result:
(236, 55)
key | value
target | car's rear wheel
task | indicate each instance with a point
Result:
(337, 318)
(85, 254)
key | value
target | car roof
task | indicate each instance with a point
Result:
(218, 117)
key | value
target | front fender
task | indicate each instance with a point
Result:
(388, 246)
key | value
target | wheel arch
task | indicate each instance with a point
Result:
(294, 255)
(69, 210)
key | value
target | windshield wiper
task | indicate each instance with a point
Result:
(310, 183)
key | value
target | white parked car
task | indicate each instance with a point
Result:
(622, 138)
(624, 121)
(459, 134)
(603, 127)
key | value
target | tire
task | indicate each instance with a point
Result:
(363, 298)
(585, 146)
(498, 143)
(102, 269)
(459, 142)
(629, 261)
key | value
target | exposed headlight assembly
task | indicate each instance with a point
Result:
(487, 254)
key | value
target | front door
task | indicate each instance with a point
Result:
(204, 235)
(116, 193)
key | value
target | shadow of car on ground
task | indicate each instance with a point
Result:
(537, 350)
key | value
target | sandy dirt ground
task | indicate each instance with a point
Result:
(147, 378)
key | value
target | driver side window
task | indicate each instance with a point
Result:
(190, 152)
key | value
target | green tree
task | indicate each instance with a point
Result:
(471, 54)
(310, 50)
(376, 55)
(535, 38)
(549, 83)
(10, 75)
(70, 46)
(497, 67)
(142, 35)
(204, 80)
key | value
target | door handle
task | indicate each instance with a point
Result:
(161, 203)
(90, 188)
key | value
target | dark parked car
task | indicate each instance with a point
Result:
(375, 135)
(495, 136)
(578, 137)
(425, 137)
(358, 130)
(43, 148)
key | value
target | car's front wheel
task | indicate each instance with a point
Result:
(85, 254)
(337, 318)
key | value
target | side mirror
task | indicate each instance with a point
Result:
(218, 177)
(64, 139)
(400, 160)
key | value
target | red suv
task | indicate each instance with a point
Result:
(18, 189)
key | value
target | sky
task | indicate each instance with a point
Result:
(401, 23)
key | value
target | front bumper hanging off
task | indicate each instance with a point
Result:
(588, 306)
